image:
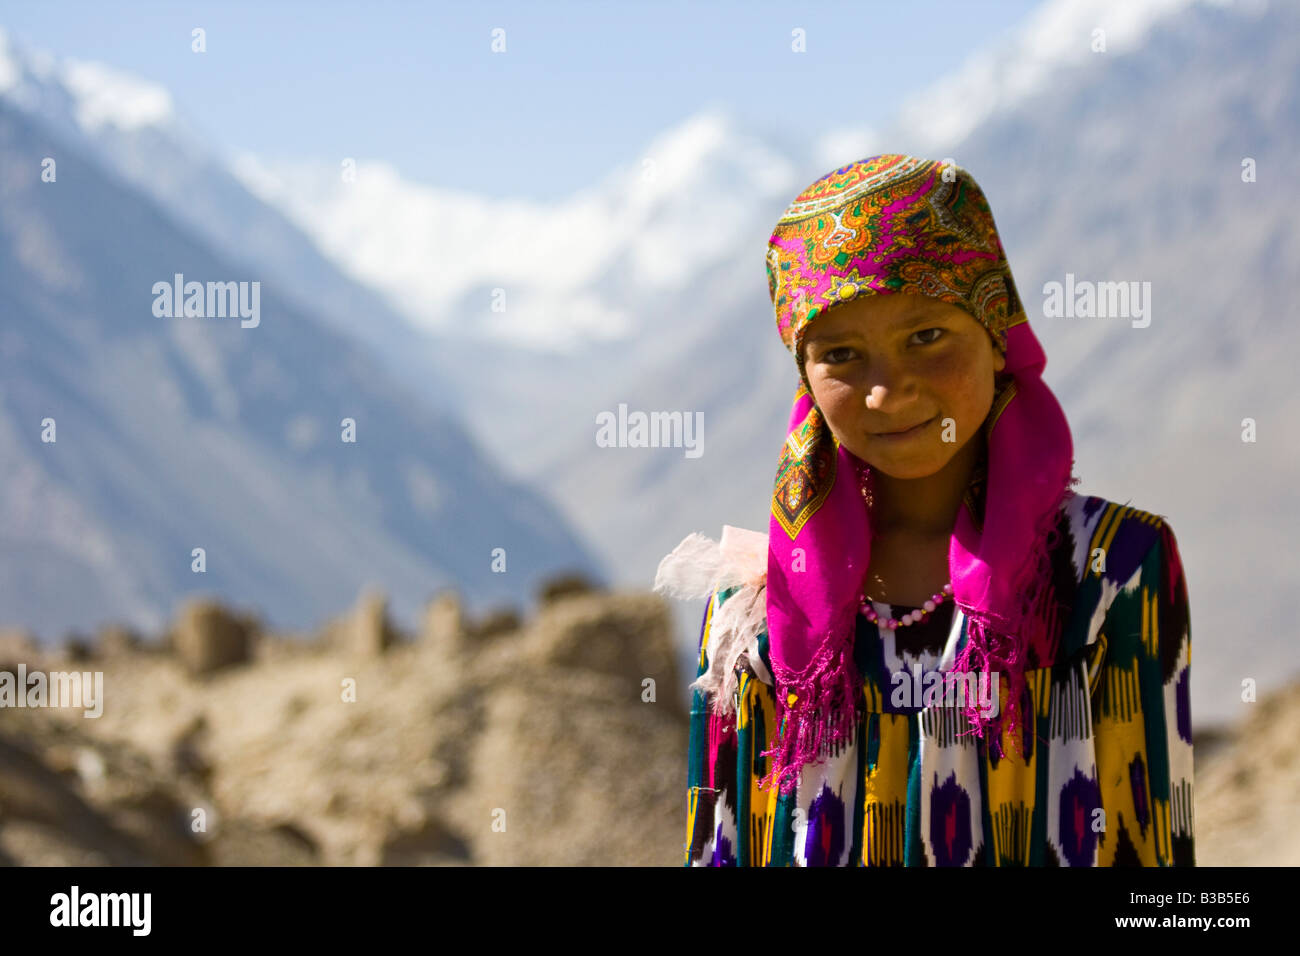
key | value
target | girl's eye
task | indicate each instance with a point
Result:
(829, 356)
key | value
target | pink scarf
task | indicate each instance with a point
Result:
(886, 225)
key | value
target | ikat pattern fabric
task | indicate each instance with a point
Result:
(1105, 779)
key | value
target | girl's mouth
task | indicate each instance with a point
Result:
(907, 433)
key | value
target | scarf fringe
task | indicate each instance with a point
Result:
(997, 645)
(823, 715)
(826, 707)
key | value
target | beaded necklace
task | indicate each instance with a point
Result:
(911, 617)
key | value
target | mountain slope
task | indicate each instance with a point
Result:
(182, 433)
(135, 132)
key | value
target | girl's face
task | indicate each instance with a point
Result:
(881, 363)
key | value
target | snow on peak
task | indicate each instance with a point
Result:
(97, 95)
(682, 203)
(1059, 33)
(10, 70)
(108, 96)
(709, 144)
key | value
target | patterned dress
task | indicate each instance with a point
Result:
(1105, 780)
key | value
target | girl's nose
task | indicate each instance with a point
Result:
(884, 397)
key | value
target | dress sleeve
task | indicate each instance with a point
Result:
(727, 816)
(1142, 716)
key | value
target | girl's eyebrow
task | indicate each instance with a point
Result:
(911, 322)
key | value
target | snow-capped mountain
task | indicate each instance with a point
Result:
(135, 132)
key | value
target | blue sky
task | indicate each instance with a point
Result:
(582, 86)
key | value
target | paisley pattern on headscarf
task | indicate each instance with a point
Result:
(889, 224)
(886, 225)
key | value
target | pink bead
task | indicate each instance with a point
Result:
(912, 617)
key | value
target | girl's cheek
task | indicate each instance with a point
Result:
(953, 371)
(831, 391)
(839, 402)
(947, 363)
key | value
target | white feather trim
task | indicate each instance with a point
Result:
(699, 567)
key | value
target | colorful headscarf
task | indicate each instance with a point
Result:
(879, 226)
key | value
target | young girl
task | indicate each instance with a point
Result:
(939, 654)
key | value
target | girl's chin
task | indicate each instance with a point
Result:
(905, 467)
(901, 472)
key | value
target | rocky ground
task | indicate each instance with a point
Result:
(469, 744)
(1247, 781)
(556, 741)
